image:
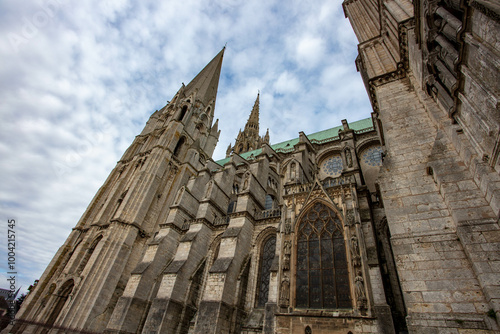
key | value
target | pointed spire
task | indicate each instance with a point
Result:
(207, 81)
(252, 126)
(249, 138)
(215, 127)
(266, 137)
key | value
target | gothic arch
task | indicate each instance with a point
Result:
(366, 144)
(313, 201)
(182, 112)
(327, 153)
(265, 254)
(88, 254)
(320, 259)
(284, 165)
(61, 298)
(179, 145)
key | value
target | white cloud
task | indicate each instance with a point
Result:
(287, 83)
(84, 77)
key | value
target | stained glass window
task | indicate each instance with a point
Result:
(269, 202)
(373, 156)
(322, 275)
(266, 260)
(332, 166)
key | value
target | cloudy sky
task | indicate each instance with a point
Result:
(80, 79)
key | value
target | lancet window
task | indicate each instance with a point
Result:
(322, 279)
(266, 260)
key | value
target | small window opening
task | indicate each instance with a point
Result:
(269, 202)
(179, 146)
(183, 113)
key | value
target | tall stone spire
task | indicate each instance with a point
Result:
(205, 84)
(249, 138)
(252, 126)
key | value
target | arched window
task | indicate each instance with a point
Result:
(179, 146)
(266, 260)
(269, 202)
(60, 300)
(183, 113)
(322, 275)
(88, 254)
(231, 207)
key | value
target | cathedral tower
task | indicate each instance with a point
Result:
(87, 283)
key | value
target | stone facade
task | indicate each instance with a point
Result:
(432, 72)
(384, 225)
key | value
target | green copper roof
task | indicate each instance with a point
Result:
(315, 138)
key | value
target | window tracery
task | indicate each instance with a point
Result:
(322, 279)
(332, 166)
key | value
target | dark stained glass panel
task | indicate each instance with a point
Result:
(267, 256)
(322, 278)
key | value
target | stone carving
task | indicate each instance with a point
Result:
(209, 188)
(288, 226)
(349, 217)
(293, 171)
(245, 183)
(285, 291)
(287, 251)
(356, 259)
(286, 262)
(179, 195)
(348, 157)
(287, 247)
(360, 291)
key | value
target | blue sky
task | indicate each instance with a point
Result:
(78, 80)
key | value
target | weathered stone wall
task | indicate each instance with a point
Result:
(426, 213)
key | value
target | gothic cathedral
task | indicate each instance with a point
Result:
(388, 224)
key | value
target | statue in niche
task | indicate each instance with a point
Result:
(356, 259)
(287, 247)
(209, 188)
(245, 183)
(285, 291)
(288, 226)
(179, 195)
(286, 262)
(293, 171)
(348, 157)
(360, 291)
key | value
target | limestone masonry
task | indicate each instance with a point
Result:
(384, 225)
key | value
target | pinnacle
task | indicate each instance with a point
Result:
(207, 81)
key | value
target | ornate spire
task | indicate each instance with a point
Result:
(249, 138)
(207, 81)
(252, 126)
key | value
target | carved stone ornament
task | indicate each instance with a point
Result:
(349, 216)
(288, 226)
(286, 262)
(287, 249)
(245, 182)
(348, 157)
(179, 195)
(209, 188)
(360, 291)
(285, 291)
(356, 259)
